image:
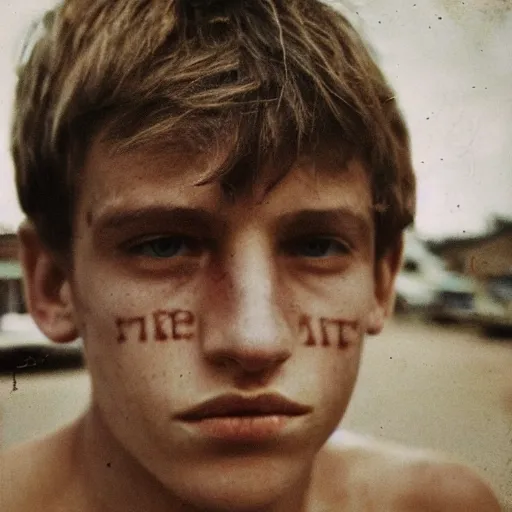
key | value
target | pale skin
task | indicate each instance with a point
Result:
(270, 293)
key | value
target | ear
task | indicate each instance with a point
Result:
(386, 270)
(47, 287)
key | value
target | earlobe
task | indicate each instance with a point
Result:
(375, 320)
(47, 288)
(386, 270)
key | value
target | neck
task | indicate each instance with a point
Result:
(115, 481)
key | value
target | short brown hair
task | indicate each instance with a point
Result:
(278, 78)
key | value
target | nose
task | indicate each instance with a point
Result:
(248, 328)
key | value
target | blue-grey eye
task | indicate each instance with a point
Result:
(164, 247)
(319, 247)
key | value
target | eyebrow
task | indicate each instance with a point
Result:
(115, 220)
(355, 223)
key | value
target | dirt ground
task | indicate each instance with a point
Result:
(446, 388)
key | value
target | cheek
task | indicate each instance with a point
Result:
(355, 294)
(117, 309)
(350, 295)
(336, 368)
(338, 381)
(328, 352)
(137, 341)
(142, 381)
(327, 379)
(139, 385)
(336, 312)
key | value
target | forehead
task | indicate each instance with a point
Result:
(143, 178)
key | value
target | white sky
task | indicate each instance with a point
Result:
(451, 63)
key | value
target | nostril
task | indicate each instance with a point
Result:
(260, 365)
(247, 358)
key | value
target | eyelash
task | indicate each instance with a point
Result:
(341, 247)
(195, 245)
(137, 247)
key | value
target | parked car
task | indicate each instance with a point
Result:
(23, 347)
(493, 305)
(454, 299)
(425, 284)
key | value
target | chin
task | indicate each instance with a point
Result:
(241, 483)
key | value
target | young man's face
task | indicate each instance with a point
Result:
(223, 336)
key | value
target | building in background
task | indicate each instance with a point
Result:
(483, 257)
(11, 288)
(425, 284)
(487, 258)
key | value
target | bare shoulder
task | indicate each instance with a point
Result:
(35, 472)
(16, 477)
(395, 478)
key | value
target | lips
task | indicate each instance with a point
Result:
(237, 418)
(233, 405)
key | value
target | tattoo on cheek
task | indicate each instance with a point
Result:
(137, 323)
(327, 332)
(181, 324)
(166, 325)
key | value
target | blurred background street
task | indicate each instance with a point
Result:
(446, 387)
(440, 376)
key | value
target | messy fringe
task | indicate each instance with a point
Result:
(275, 79)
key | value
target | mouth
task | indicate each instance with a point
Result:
(240, 406)
(234, 417)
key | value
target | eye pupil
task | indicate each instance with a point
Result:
(166, 246)
(317, 247)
